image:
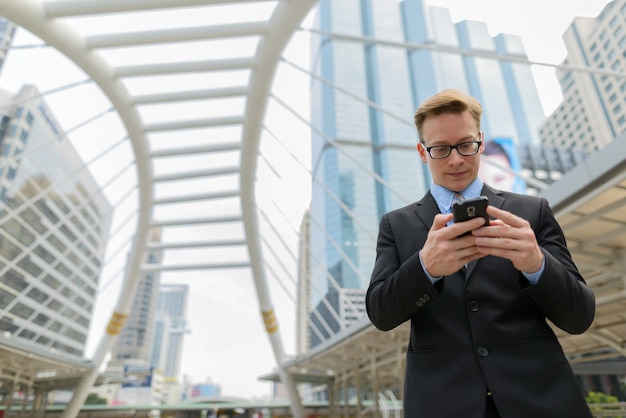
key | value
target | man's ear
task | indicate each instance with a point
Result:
(421, 149)
(481, 138)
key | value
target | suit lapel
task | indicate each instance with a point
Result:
(427, 209)
(495, 196)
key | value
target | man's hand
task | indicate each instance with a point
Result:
(510, 237)
(444, 251)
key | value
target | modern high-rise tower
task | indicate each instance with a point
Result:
(7, 32)
(137, 336)
(593, 112)
(303, 307)
(423, 52)
(171, 327)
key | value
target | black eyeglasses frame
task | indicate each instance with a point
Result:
(456, 147)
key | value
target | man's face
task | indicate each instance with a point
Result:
(454, 172)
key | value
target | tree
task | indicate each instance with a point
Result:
(94, 399)
(597, 402)
(599, 397)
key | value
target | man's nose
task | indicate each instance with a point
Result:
(455, 156)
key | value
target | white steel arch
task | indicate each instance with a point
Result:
(47, 20)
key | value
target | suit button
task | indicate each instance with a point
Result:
(420, 304)
(426, 296)
(422, 300)
(473, 305)
(482, 351)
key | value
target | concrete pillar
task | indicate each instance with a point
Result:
(359, 392)
(26, 390)
(346, 395)
(375, 389)
(333, 398)
(39, 404)
(9, 403)
(401, 367)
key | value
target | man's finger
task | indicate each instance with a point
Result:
(467, 226)
(441, 220)
(506, 216)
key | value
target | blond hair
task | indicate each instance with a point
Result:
(447, 101)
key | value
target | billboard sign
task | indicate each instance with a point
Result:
(137, 377)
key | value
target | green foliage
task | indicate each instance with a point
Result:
(599, 397)
(94, 399)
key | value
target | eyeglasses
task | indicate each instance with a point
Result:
(439, 152)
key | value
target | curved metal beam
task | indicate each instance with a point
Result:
(284, 23)
(615, 344)
(32, 15)
(65, 8)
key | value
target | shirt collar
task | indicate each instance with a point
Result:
(443, 196)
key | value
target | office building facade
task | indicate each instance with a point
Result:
(54, 224)
(546, 164)
(7, 32)
(593, 112)
(170, 329)
(358, 140)
(303, 296)
(137, 335)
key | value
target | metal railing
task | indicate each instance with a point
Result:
(613, 410)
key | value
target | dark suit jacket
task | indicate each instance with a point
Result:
(483, 329)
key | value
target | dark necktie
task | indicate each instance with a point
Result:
(458, 197)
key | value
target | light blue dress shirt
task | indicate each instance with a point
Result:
(444, 198)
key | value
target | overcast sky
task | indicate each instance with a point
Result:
(228, 343)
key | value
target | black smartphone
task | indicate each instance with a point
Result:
(471, 208)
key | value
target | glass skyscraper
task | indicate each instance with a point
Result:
(136, 338)
(592, 113)
(170, 329)
(424, 52)
(54, 225)
(7, 32)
